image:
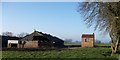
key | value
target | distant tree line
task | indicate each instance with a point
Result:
(70, 41)
(12, 34)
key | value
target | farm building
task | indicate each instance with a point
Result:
(36, 40)
(13, 44)
(88, 40)
(6, 39)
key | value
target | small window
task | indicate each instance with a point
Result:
(87, 40)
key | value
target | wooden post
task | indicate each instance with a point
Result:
(7, 45)
(17, 45)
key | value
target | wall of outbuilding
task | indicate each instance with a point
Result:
(88, 44)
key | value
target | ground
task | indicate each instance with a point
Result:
(97, 53)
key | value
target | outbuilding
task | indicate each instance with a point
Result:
(88, 40)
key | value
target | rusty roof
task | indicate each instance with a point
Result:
(88, 35)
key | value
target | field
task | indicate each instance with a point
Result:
(98, 53)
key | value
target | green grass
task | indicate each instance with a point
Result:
(0, 54)
(79, 45)
(81, 53)
(77, 53)
(73, 44)
(102, 44)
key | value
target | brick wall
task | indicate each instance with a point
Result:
(31, 44)
(89, 43)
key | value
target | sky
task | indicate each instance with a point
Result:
(59, 19)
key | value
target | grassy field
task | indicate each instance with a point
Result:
(96, 45)
(80, 53)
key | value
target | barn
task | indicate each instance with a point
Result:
(36, 40)
(88, 40)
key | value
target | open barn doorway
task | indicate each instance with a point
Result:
(14, 45)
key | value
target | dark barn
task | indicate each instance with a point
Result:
(40, 40)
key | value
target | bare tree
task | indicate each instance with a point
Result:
(7, 34)
(68, 41)
(97, 41)
(22, 34)
(104, 16)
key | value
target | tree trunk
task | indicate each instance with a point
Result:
(113, 49)
(115, 45)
